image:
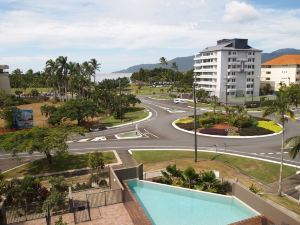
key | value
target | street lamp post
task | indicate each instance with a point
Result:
(195, 122)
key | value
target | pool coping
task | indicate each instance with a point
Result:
(198, 191)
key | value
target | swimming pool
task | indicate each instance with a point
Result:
(166, 205)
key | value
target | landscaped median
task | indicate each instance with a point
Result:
(232, 125)
(247, 171)
(59, 164)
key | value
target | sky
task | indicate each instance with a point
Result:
(123, 33)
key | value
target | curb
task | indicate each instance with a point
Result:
(225, 137)
(124, 138)
(219, 152)
(134, 122)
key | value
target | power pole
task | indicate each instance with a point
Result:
(195, 118)
(120, 99)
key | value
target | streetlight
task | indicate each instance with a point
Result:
(195, 114)
(253, 87)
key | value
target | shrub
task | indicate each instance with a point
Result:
(254, 189)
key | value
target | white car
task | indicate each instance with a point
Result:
(177, 100)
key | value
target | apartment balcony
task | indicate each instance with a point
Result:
(207, 82)
(231, 76)
(249, 89)
(234, 63)
(207, 76)
(234, 70)
(248, 69)
(208, 70)
(198, 57)
(231, 89)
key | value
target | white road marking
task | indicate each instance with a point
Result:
(83, 140)
(271, 153)
(68, 142)
(102, 138)
(262, 153)
(150, 133)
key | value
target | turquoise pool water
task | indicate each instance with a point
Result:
(167, 205)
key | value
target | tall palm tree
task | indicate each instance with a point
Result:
(96, 67)
(52, 76)
(280, 107)
(293, 144)
(163, 61)
(62, 63)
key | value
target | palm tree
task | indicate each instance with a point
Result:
(96, 67)
(280, 107)
(293, 143)
(163, 61)
(62, 63)
(189, 176)
(52, 76)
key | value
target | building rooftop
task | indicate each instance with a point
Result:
(4, 67)
(230, 44)
(284, 60)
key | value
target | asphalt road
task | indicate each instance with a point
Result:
(159, 133)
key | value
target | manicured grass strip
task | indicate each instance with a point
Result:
(132, 115)
(60, 163)
(269, 125)
(148, 90)
(284, 201)
(264, 172)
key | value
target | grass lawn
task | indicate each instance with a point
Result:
(263, 172)
(148, 90)
(132, 115)
(68, 162)
(284, 201)
(28, 90)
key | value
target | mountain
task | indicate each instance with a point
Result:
(186, 63)
(183, 63)
(268, 56)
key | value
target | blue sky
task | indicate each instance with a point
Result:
(121, 33)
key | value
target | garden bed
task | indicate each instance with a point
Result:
(230, 124)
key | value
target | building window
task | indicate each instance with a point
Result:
(268, 72)
(268, 78)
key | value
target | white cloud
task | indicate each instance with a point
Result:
(124, 32)
(236, 11)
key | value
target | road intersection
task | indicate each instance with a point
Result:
(157, 132)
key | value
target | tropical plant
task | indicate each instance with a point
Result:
(293, 144)
(189, 176)
(202, 95)
(281, 108)
(214, 103)
(96, 162)
(44, 140)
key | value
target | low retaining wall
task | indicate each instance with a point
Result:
(130, 173)
(134, 209)
(271, 211)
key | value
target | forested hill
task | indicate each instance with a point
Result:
(186, 63)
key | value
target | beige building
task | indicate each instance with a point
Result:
(4, 79)
(281, 70)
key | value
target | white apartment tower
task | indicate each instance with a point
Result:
(231, 65)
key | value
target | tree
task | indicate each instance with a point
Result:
(163, 61)
(44, 140)
(293, 92)
(96, 67)
(60, 221)
(293, 144)
(58, 193)
(202, 95)
(209, 182)
(75, 109)
(280, 107)
(96, 162)
(214, 103)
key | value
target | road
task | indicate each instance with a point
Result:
(159, 133)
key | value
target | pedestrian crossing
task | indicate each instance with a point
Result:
(102, 138)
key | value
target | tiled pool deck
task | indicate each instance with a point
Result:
(107, 215)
